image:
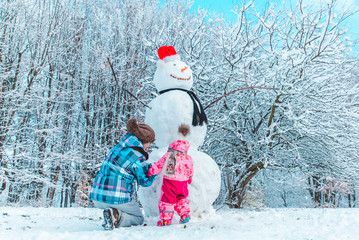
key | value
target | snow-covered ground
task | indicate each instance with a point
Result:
(85, 223)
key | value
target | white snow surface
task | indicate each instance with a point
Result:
(250, 224)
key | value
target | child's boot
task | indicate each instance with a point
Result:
(185, 218)
(182, 208)
(162, 223)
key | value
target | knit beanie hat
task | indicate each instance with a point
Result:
(142, 131)
(168, 53)
(180, 145)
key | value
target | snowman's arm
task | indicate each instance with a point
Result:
(156, 167)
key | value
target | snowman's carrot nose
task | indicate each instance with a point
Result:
(184, 69)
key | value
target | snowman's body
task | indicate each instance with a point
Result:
(168, 112)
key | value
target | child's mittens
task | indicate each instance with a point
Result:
(153, 170)
(189, 180)
(156, 167)
(150, 171)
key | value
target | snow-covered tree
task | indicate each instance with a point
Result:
(61, 108)
(306, 121)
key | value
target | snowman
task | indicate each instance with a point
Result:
(177, 114)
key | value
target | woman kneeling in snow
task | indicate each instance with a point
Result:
(125, 164)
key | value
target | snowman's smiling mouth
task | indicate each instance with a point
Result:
(178, 78)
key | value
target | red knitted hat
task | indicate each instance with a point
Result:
(166, 51)
(167, 54)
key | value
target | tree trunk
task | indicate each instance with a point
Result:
(52, 190)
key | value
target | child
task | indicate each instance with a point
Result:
(125, 164)
(177, 168)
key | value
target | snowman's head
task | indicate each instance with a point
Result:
(171, 72)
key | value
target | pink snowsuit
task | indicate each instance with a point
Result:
(174, 189)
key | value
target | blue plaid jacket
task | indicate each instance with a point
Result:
(125, 163)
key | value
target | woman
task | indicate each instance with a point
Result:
(125, 164)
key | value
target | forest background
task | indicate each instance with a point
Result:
(61, 110)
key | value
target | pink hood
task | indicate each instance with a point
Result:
(184, 165)
(180, 145)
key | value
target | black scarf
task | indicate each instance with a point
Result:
(199, 116)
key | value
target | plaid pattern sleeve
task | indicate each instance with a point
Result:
(120, 168)
(140, 169)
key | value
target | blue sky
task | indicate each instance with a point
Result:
(224, 7)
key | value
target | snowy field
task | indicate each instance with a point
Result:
(84, 223)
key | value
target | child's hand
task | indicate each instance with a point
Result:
(151, 172)
(190, 180)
